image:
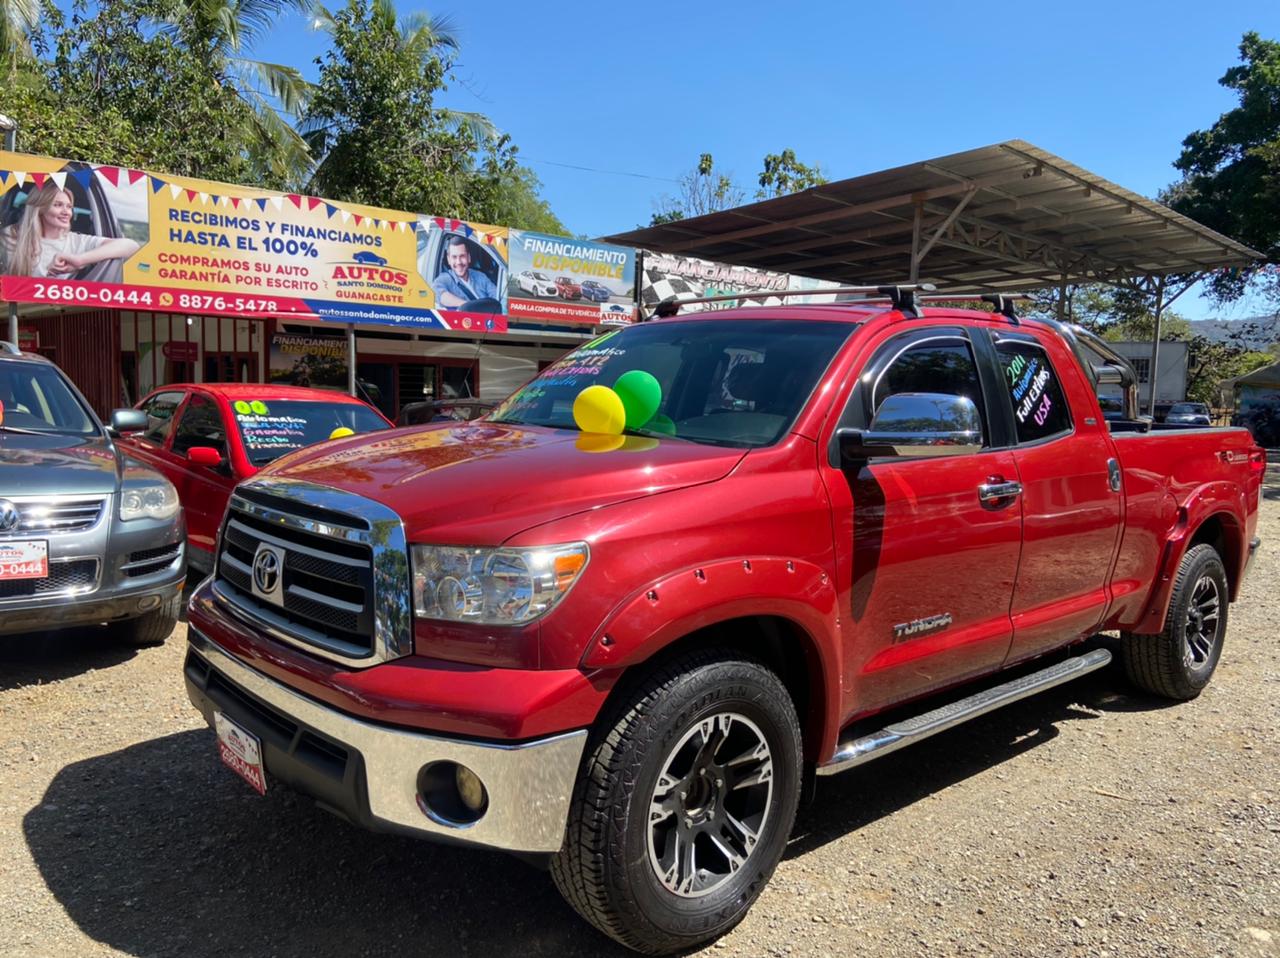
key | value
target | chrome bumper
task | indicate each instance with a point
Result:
(529, 785)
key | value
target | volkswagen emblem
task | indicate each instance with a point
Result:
(9, 516)
(267, 566)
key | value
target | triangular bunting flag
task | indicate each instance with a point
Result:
(277, 202)
(330, 209)
(157, 184)
(296, 200)
(135, 175)
(312, 202)
(345, 215)
(39, 179)
(191, 196)
(111, 174)
(175, 190)
(19, 176)
(261, 201)
(359, 219)
(4, 177)
(439, 221)
(59, 180)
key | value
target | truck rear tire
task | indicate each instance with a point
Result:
(684, 803)
(1179, 662)
(150, 628)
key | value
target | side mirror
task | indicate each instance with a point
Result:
(204, 456)
(128, 420)
(916, 426)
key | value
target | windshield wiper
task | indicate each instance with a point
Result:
(24, 432)
(652, 433)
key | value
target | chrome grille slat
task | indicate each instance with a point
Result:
(344, 593)
(56, 514)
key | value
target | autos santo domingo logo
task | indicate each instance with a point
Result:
(268, 573)
(9, 516)
(367, 277)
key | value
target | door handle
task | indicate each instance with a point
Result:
(995, 491)
(1113, 475)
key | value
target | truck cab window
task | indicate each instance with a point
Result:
(932, 366)
(1039, 407)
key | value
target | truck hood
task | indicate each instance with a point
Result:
(55, 464)
(481, 483)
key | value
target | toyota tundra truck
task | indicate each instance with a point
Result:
(843, 529)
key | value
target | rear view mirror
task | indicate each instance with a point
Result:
(917, 426)
(128, 420)
(204, 456)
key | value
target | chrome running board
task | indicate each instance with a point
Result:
(857, 751)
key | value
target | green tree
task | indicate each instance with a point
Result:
(784, 174)
(373, 122)
(505, 193)
(702, 190)
(19, 20)
(1231, 171)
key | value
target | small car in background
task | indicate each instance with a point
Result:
(206, 438)
(369, 258)
(596, 292)
(535, 283)
(87, 535)
(567, 288)
(1188, 414)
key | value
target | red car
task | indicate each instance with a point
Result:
(626, 651)
(206, 438)
(567, 288)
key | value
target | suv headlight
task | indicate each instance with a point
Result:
(157, 501)
(502, 586)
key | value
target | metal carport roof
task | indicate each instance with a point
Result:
(1005, 217)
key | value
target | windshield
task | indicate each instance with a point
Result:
(1189, 407)
(721, 382)
(271, 429)
(35, 397)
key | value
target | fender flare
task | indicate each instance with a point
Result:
(696, 597)
(1214, 499)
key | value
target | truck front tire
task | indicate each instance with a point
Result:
(1179, 662)
(684, 803)
(150, 628)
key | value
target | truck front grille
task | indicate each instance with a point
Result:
(330, 600)
(54, 514)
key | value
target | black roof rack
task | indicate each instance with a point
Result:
(903, 297)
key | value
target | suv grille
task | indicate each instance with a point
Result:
(326, 599)
(57, 514)
(65, 578)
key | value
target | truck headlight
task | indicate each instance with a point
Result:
(156, 501)
(502, 586)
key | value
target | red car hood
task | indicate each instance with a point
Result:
(481, 483)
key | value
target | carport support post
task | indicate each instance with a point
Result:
(1153, 374)
(13, 324)
(916, 222)
(351, 358)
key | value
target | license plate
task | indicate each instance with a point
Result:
(241, 752)
(27, 559)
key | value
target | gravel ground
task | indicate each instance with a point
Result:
(1089, 821)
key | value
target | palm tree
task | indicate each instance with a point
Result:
(18, 20)
(220, 32)
(423, 37)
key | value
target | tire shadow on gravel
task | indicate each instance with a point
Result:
(158, 850)
(847, 802)
(36, 658)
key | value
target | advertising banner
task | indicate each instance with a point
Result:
(308, 359)
(81, 234)
(683, 277)
(563, 280)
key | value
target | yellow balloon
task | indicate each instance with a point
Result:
(341, 433)
(598, 442)
(599, 409)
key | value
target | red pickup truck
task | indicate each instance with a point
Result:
(846, 528)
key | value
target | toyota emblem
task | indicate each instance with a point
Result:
(9, 516)
(266, 570)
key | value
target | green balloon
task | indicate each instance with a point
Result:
(662, 424)
(641, 395)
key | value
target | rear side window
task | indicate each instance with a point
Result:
(160, 409)
(200, 425)
(1039, 406)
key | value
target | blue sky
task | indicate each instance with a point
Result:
(609, 103)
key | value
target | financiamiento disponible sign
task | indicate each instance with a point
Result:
(80, 234)
(561, 280)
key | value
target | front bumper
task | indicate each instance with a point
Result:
(370, 773)
(92, 608)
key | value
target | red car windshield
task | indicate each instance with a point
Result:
(271, 428)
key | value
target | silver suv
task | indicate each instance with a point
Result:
(87, 535)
